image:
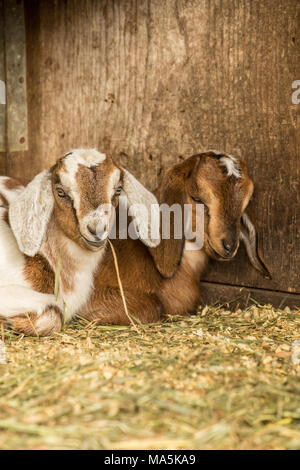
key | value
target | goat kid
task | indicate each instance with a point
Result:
(166, 279)
(63, 216)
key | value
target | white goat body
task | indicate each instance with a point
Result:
(33, 243)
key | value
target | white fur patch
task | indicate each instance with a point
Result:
(85, 157)
(197, 259)
(113, 183)
(216, 152)
(30, 211)
(43, 321)
(229, 162)
(11, 259)
(18, 300)
(144, 208)
(83, 277)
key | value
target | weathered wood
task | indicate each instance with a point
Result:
(153, 82)
(15, 75)
(2, 106)
(234, 296)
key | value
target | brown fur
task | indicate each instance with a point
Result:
(53, 248)
(11, 184)
(5, 217)
(167, 275)
(39, 273)
(46, 324)
(3, 201)
(148, 294)
(90, 182)
(147, 305)
(64, 213)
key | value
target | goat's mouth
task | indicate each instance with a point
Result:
(93, 244)
(217, 255)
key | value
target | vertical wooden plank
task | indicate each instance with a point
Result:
(15, 64)
(2, 95)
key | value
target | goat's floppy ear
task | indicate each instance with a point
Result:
(143, 207)
(248, 236)
(167, 255)
(30, 212)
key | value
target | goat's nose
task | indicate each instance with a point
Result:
(102, 234)
(92, 231)
(97, 232)
(229, 246)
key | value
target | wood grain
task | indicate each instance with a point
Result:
(153, 82)
(233, 296)
(2, 106)
(15, 71)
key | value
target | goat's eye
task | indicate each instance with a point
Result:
(60, 192)
(197, 200)
(118, 191)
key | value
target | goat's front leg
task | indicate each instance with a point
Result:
(32, 324)
(30, 312)
(106, 307)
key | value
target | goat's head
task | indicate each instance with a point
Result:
(221, 183)
(80, 191)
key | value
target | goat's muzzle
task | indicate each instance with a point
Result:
(94, 243)
(229, 251)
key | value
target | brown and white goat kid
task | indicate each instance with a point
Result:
(166, 279)
(62, 216)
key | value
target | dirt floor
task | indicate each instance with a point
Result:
(216, 380)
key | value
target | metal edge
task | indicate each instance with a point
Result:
(15, 62)
(2, 84)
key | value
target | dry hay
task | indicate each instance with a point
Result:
(216, 380)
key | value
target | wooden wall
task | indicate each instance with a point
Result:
(153, 82)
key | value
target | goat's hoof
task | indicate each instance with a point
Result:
(31, 324)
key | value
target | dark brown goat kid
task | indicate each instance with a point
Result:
(166, 279)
